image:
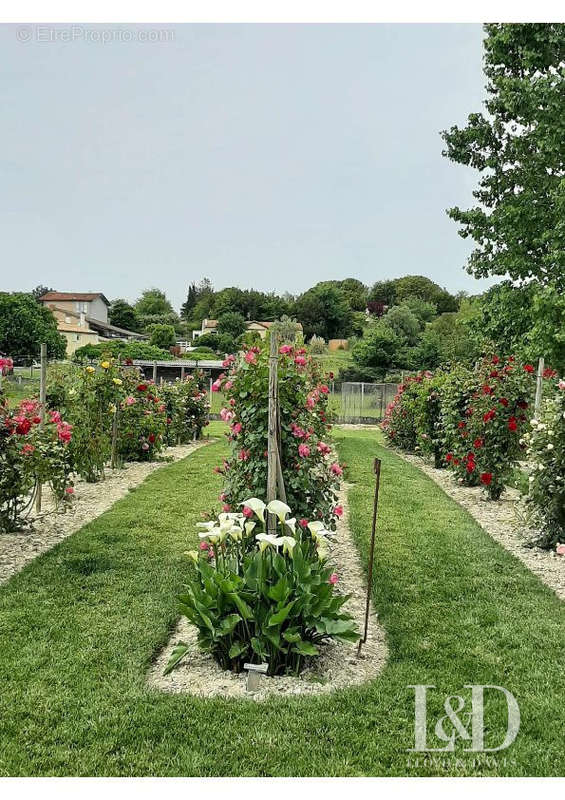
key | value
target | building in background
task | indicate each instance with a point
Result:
(82, 318)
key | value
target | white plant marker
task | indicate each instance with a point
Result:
(254, 672)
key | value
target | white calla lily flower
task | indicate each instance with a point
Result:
(279, 508)
(315, 526)
(288, 543)
(207, 525)
(257, 506)
(266, 539)
(291, 523)
(214, 535)
(249, 525)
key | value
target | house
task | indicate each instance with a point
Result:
(82, 318)
(211, 326)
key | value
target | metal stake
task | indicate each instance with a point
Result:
(377, 468)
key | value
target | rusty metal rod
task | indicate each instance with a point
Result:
(377, 468)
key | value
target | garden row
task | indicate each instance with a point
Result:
(92, 416)
(479, 422)
(261, 589)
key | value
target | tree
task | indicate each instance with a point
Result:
(376, 352)
(383, 293)
(231, 323)
(410, 286)
(25, 324)
(355, 292)
(40, 290)
(324, 311)
(123, 315)
(422, 309)
(404, 323)
(518, 224)
(194, 294)
(153, 302)
(163, 336)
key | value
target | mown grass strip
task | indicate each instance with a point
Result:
(80, 625)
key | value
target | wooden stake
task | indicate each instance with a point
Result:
(154, 372)
(377, 469)
(42, 395)
(539, 385)
(114, 438)
(272, 430)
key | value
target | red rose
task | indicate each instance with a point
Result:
(23, 427)
(461, 424)
(512, 424)
(528, 368)
(478, 443)
(495, 359)
(142, 387)
(487, 389)
(449, 457)
(549, 373)
(486, 478)
(456, 462)
(489, 415)
(503, 401)
(522, 404)
(151, 437)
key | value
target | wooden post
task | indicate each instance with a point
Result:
(539, 385)
(272, 430)
(42, 392)
(31, 369)
(154, 372)
(113, 460)
(182, 373)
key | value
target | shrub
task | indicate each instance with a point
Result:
(400, 422)
(427, 416)
(186, 409)
(142, 421)
(546, 456)
(163, 336)
(123, 351)
(259, 596)
(487, 444)
(317, 345)
(30, 455)
(311, 473)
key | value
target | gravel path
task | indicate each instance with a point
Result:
(89, 501)
(338, 667)
(504, 520)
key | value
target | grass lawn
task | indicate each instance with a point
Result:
(80, 625)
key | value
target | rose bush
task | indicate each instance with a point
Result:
(187, 409)
(263, 596)
(546, 458)
(30, 455)
(310, 469)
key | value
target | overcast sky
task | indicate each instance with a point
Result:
(263, 156)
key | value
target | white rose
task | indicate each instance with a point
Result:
(550, 446)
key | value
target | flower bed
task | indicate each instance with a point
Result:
(472, 420)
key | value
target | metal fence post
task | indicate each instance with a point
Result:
(539, 385)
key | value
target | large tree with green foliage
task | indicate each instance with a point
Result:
(324, 311)
(231, 323)
(123, 315)
(518, 148)
(25, 324)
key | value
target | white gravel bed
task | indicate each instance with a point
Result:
(89, 501)
(338, 666)
(504, 520)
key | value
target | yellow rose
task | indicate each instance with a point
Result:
(117, 381)
(90, 370)
(112, 408)
(105, 364)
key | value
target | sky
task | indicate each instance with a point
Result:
(260, 156)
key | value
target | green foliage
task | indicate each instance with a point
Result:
(186, 404)
(324, 311)
(287, 329)
(546, 458)
(266, 597)
(231, 323)
(162, 336)
(517, 147)
(474, 417)
(404, 323)
(153, 302)
(309, 470)
(376, 352)
(25, 325)
(123, 351)
(123, 315)
(30, 455)
(317, 346)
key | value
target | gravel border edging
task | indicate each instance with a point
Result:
(89, 501)
(503, 520)
(337, 668)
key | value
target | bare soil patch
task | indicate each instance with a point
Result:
(337, 667)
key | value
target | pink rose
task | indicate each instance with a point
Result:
(303, 523)
(285, 349)
(250, 357)
(303, 450)
(338, 511)
(560, 549)
(335, 469)
(69, 490)
(247, 512)
(236, 428)
(333, 579)
(300, 361)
